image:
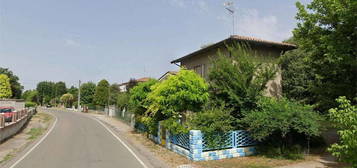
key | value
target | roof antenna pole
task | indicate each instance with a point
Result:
(229, 6)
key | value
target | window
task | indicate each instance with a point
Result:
(200, 70)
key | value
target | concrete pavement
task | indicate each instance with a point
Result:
(78, 141)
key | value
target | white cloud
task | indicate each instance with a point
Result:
(200, 4)
(72, 43)
(250, 22)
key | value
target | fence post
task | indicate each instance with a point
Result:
(234, 133)
(196, 147)
(2, 121)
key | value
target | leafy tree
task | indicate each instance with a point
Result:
(131, 84)
(60, 88)
(345, 119)
(123, 100)
(16, 87)
(87, 93)
(278, 120)
(240, 79)
(114, 93)
(327, 32)
(74, 91)
(67, 99)
(101, 93)
(171, 99)
(5, 87)
(297, 78)
(45, 91)
(138, 95)
(30, 96)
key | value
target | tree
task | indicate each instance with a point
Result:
(45, 91)
(67, 99)
(277, 122)
(16, 87)
(327, 32)
(5, 87)
(345, 119)
(60, 88)
(102, 93)
(114, 93)
(132, 83)
(138, 95)
(123, 100)
(171, 99)
(297, 78)
(87, 93)
(30, 96)
(238, 80)
(74, 91)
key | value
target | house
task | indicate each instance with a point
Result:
(123, 87)
(167, 74)
(199, 61)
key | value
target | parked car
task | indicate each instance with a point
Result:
(48, 106)
(8, 112)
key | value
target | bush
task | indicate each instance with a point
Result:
(123, 100)
(30, 104)
(277, 121)
(239, 80)
(214, 123)
(175, 96)
(345, 119)
(138, 95)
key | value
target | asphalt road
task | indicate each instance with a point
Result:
(78, 141)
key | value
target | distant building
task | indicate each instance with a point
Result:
(18, 104)
(123, 87)
(167, 74)
(199, 61)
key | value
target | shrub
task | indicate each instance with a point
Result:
(239, 80)
(345, 119)
(214, 123)
(277, 121)
(123, 100)
(138, 95)
(30, 104)
(172, 98)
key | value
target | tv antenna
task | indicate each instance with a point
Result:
(230, 8)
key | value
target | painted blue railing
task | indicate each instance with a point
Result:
(182, 140)
(219, 141)
(232, 139)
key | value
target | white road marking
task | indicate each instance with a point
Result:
(38, 143)
(126, 146)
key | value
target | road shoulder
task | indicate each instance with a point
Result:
(14, 147)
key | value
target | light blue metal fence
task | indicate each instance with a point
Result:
(182, 140)
(242, 138)
(232, 139)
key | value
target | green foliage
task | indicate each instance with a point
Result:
(5, 87)
(327, 32)
(171, 98)
(87, 93)
(345, 119)
(30, 104)
(16, 87)
(30, 96)
(123, 100)
(138, 95)
(45, 91)
(102, 93)
(67, 99)
(297, 78)
(239, 80)
(213, 122)
(60, 88)
(114, 93)
(283, 117)
(74, 91)
(131, 84)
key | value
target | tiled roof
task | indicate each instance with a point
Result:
(144, 79)
(250, 40)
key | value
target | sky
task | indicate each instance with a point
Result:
(71, 40)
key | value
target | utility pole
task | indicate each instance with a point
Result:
(79, 95)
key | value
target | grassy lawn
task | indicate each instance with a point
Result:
(35, 132)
